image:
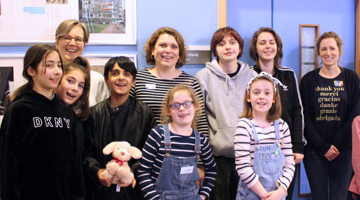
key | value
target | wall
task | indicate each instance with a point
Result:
(286, 15)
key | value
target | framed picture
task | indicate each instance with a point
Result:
(308, 59)
(35, 21)
(97, 61)
(15, 61)
(11, 66)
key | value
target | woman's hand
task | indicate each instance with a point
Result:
(332, 153)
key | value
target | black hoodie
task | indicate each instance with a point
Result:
(39, 150)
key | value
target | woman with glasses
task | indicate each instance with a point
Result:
(71, 37)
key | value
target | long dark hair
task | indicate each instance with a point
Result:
(80, 106)
(253, 51)
(33, 58)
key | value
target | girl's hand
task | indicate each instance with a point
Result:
(332, 153)
(276, 194)
(202, 197)
(201, 171)
(298, 157)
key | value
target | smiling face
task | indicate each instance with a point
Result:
(72, 44)
(119, 81)
(48, 74)
(228, 49)
(261, 96)
(166, 51)
(182, 116)
(72, 86)
(329, 52)
(266, 47)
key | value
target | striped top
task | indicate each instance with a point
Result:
(244, 145)
(181, 146)
(152, 90)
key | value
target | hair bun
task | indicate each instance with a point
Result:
(80, 61)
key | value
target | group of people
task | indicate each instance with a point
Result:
(233, 131)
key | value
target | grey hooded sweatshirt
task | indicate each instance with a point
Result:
(224, 101)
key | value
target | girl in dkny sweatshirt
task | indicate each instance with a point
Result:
(223, 82)
(39, 142)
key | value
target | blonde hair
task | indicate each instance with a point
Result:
(66, 26)
(326, 35)
(166, 118)
(275, 110)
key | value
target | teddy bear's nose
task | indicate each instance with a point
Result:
(122, 153)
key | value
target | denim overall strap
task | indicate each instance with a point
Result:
(167, 141)
(256, 138)
(197, 144)
(267, 164)
(277, 131)
(175, 181)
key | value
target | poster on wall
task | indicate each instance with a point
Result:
(110, 22)
(6, 81)
(98, 61)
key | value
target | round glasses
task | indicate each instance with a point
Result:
(68, 38)
(176, 106)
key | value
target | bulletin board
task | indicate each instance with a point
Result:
(35, 21)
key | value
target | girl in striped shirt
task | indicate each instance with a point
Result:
(168, 168)
(262, 142)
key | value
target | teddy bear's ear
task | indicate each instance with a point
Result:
(135, 153)
(109, 148)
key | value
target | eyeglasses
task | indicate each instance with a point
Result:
(68, 38)
(176, 106)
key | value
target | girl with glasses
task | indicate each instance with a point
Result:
(168, 168)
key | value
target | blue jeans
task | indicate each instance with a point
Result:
(328, 179)
(226, 181)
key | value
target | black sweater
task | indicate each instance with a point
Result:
(39, 150)
(330, 106)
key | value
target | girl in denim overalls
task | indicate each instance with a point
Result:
(263, 153)
(168, 168)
